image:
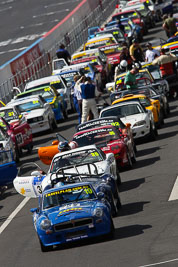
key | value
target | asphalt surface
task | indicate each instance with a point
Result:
(24, 22)
(146, 226)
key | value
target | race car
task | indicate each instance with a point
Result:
(109, 140)
(117, 33)
(141, 121)
(73, 212)
(50, 94)
(18, 128)
(148, 103)
(38, 114)
(8, 168)
(123, 129)
(97, 42)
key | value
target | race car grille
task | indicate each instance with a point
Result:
(73, 224)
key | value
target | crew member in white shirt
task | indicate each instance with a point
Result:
(151, 53)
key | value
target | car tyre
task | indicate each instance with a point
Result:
(152, 135)
(130, 165)
(118, 181)
(112, 230)
(45, 248)
(30, 148)
(134, 160)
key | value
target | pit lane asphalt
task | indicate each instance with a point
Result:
(146, 227)
(24, 22)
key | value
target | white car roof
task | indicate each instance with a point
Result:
(23, 100)
(74, 67)
(75, 150)
(137, 6)
(108, 35)
(86, 51)
(41, 81)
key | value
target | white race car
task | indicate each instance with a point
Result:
(84, 160)
(141, 120)
(37, 112)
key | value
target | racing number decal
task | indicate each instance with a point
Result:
(19, 138)
(47, 89)
(88, 191)
(35, 102)
(115, 123)
(95, 154)
(39, 189)
(10, 114)
(112, 133)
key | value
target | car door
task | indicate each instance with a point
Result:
(8, 169)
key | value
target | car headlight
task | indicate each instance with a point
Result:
(45, 224)
(98, 212)
(139, 123)
(40, 118)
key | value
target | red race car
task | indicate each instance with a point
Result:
(108, 139)
(17, 127)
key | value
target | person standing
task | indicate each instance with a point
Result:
(151, 53)
(77, 98)
(88, 99)
(136, 52)
(169, 25)
(130, 79)
(63, 53)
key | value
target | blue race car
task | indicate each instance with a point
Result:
(8, 169)
(70, 213)
(92, 31)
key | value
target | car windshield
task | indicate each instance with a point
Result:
(112, 50)
(76, 158)
(142, 10)
(116, 33)
(28, 106)
(92, 31)
(100, 43)
(131, 14)
(68, 195)
(58, 64)
(8, 114)
(122, 111)
(99, 137)
(145, 101)
(44, 92)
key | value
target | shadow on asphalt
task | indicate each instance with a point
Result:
(131, 230)
(167, 135)
(132, 208)
(39, 142)
(3, 218)
(147, 151)
(173, 113)
(170, 124)
(129, 185)
(145, 162)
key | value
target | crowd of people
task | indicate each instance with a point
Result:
(85, 91)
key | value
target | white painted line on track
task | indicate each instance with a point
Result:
(13, 214)
(50, 13)
(174, 193)
(61, 3)
(159, 263)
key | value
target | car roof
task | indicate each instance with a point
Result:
(99, 38)
(51, 78)
(85, 52)
(23, 100)
(75, 150)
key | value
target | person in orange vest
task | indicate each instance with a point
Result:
(166, 63)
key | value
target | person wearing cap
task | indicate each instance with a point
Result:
(166, 63)
(136, 51)
(130, 79)
(151, 53)
(169, 25)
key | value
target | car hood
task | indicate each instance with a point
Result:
(72, 211)
(132, 119)
(34, 113)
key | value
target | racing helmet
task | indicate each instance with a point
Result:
(73, 144)
(63, 146)
(123, 65)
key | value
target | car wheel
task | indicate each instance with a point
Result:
(113, 206)
(135, 147)
(118, 181)
(134, 157)
(152, 135)
(30, 147)
(16, 155)
(54, 125)
(112, 229)
(130, 165)
(45, 248)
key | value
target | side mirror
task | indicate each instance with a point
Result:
(33, 210)
(55, 142)
(100, 195)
